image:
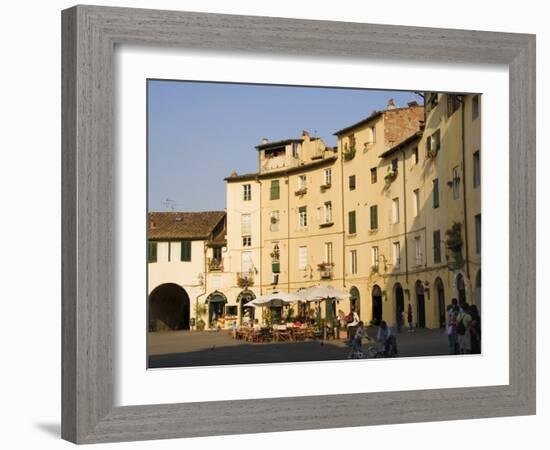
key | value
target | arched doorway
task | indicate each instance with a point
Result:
(420, 305)
(461, 288)
(440, 294)
(216, 307)
(355, 300)
(376, 304)
(399, 302)
(477, 291)
(169, 308)
(246, 313)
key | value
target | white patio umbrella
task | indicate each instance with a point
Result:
(319, 293)
(275, 299)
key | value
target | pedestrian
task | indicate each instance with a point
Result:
(463, 328)
(386, 337)
(450, 330)
(475, 330)
(360, 333)
(410, 317)
(400, 319)
(352, 322)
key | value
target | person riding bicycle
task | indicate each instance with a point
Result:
(386, 337)
(360, 333)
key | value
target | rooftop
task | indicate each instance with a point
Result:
(183, 225)
(412, 138)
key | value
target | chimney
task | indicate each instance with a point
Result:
(305, 135)
(265, 141)
(233, 174)
(391, 104)
(412, 104)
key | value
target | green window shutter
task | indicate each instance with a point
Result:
(186, 250)
(152, 251)
(436, 193)
(276, 267)
(275, 189)
(351, 219)
(374, 217)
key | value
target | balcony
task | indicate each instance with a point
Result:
(326, 270)
(245, 279)
(215, 264)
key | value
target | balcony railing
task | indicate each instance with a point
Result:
(245, 279)
(215, 264)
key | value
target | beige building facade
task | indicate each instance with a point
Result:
(392, 214)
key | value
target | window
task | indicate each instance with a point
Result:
(351, 141)
(302, 257)
(453, 104)
(328, 177)
(246, 262)
(295, 149)
(328, 252)
(374, 217)
(231, 311)
(456, 183)
(247, 192)
(352, 182)
(372, 134)
(433, 143)
(217, 253)
(302, 182)
(415, 155)
(375, 257)
(437, 246)
(477, 169)
(475, 107)
(416, 202)
(274, 190)
(396, 254)
(247, 241)
(394, 165)
(302, 216)
(353, 260)
(373, 175)
(436, 193)
(328, 212)
(169, 251)
(478, 234)
(395, 210)
(418, 251)
(185, 250)
(245, 224)
(351, 222)
(151, 252)
(274, 221)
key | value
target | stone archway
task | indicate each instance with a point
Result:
(169, 308)
(420, 305)
(376, 304)
(246, 311)
(461, 288)
(477, 291)
(355, 300)
(216, 307)
(399, 302)
(440, 296)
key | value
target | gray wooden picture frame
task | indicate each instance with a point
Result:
(90, 34)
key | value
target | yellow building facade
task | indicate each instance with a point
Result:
(392, 214)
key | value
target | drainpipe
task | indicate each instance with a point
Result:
(205, 289)
(260, 238)
(461, 99)
(343, 221)
(288, 232)
(405, 221)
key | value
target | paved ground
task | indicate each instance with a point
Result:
(208, 348)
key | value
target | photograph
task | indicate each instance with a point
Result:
(296, 223)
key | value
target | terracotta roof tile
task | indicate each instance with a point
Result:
(183, 225)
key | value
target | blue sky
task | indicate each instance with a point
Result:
(200, 132)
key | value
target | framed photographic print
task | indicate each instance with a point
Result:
(258, 219)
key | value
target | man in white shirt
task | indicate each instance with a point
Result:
(353, 324)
